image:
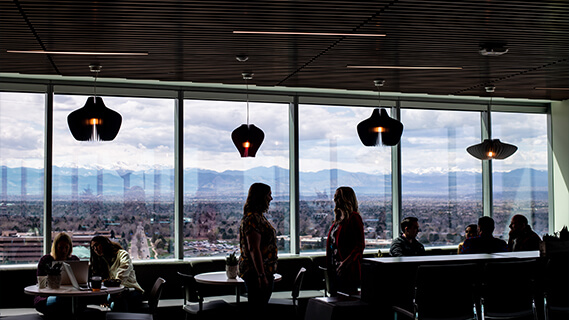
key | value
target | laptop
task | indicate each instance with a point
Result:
(76, 273)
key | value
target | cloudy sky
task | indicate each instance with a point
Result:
(432, 141)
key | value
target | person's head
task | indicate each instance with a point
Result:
(485, 226)
(345, 203)
(103, 246)
(258, 198)
(410, 227)
(471, 231)
(62, 246)
(518, 223)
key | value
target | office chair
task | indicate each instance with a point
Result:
(149, 308)
(289, 306)
(508, 291)
(194, 304)
(556, 289)
(443, 292)
(327, 287)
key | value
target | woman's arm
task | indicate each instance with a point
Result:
(254, 245)
(122, 267)
(354, 235)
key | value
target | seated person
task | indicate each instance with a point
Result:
(406, 244)
(522, 237)
(110, 261)
(485, 242)
(470, 231)
(61, 250)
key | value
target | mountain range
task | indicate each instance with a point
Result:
(202, 183)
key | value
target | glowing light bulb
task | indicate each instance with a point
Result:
(94, 121)
(491, 154)
(378, 129)
(246, 144)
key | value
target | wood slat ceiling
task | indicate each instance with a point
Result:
(194, 41)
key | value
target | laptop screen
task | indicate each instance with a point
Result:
(80, 270)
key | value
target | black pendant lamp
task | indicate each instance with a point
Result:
(380, 125)
(491, 148)
(247, 137)
(94, 121)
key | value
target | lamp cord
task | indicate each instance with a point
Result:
(247, 90)
(379, 96)
(489, 129)
(95, 86)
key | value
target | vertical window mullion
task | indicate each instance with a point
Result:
(396, 177)
(47, 177)
(179, 177)
(294, 178)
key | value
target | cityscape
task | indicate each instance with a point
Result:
(145, 224)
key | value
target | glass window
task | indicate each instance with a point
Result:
(521, 181)
(217, 179)
(331, 155)
(441, 182)
(21, 176)
(123, 188)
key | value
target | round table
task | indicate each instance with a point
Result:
(70, 291)
(220, 278)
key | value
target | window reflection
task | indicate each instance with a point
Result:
(441, 182)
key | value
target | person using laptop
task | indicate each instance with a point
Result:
(61, 250)
(110, 261)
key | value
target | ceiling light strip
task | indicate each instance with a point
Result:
(546, 88)
(405, 67)
(311, 33)
(81, 53)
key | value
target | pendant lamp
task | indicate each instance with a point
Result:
(247, 137)
(94, 121)
(491, 148)
(380, 125)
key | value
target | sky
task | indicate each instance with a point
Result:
(328, 137)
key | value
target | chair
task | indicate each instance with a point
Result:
(556, 289)
(507, 290)
(327, 288)
(443, 292)
(149, 308)
(194, 304)
(289, 306)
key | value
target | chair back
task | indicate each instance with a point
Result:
(298, 283)
(508, 288)
(556, 288)
(190, 286)
(327, 291)
(155, 294)
(446, 291)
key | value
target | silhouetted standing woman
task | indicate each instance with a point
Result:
(258, 243)
(345, 244)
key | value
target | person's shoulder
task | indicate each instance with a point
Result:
(397, 241)
(122, 253)
(47, 258)
(355, 217)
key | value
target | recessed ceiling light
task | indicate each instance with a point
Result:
(312, 33)
(405, 67)
(84, 53)
(546, 88)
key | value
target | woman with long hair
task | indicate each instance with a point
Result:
(110, 261)
(61, 250)
(258, 244)
(345, 244)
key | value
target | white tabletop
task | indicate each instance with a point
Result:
(220, 278)
(459, 257)
(69, 291)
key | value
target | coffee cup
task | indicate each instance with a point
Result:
(96, 283)
(42, 282)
